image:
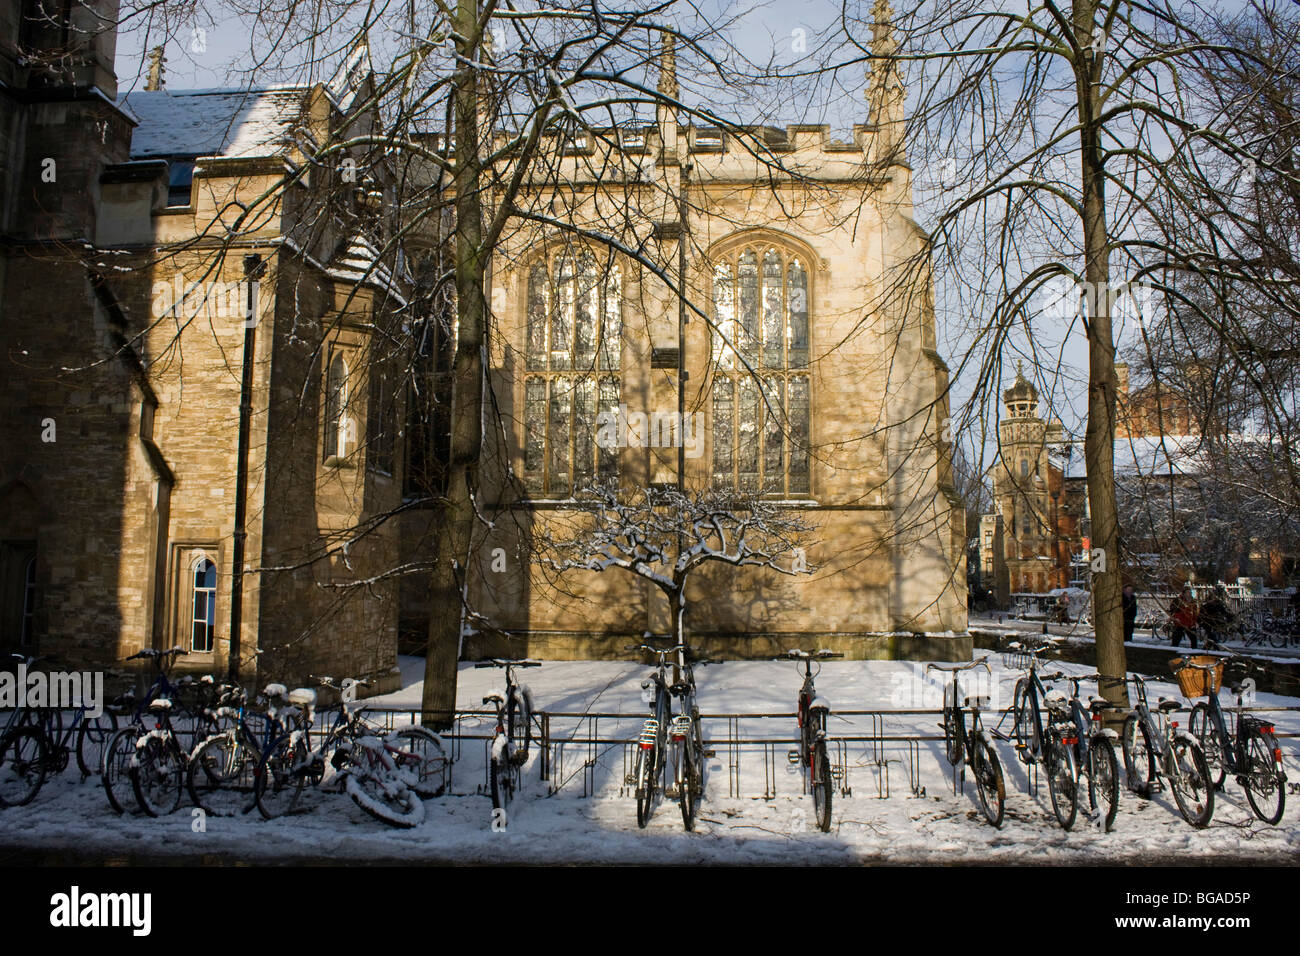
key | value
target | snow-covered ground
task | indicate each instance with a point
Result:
(769, 821)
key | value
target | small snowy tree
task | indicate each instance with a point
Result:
(663, 535)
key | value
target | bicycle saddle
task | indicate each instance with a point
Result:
(275, 690)
(494, 698)
(160, 705)
(300, 695)
(819, 703)
(1167, 705)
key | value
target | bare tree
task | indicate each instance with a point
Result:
(664, 535)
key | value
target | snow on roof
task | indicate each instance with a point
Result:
(357, 260)
(351, 74)
(242, 123)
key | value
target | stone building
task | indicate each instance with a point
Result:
(203, 423)
(809, 374)
(184, 333)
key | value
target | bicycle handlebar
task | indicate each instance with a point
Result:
(964, 667)
(149, 652)
(506, 662)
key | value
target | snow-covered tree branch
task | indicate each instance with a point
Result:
(664, 534)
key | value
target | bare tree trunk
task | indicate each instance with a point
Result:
(1099, 440)
(448, 588)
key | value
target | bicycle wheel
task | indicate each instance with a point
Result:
(282, 776)
(687, 793)
(157, 773)
(1139, 760)
(989, 785)
(24, 756)
(1189, 778)
(503, 774)
(823, 785)
(1103, 781)
(1201, 726)
(92, 737)
(191, 727)
(427, 764)
(380, 792)
(953, 732)
(1265, 789)
(645, 785)
(222, 774)
(519, 724)
(1026, 728)
(1063, 783)
(115, 770)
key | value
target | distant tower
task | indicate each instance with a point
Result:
(1020, 487)
(154, 79)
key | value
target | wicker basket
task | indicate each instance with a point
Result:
(1198, 683)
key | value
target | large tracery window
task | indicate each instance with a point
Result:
(574, 328)
(760, 360)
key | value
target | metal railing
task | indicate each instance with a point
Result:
(580, 747)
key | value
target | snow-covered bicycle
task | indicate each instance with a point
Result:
(512, 734)
(387, 774)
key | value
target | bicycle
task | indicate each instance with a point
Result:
(1153, 747)
(1094, 753)
(35, 743)
(813, 712)
(681, 730)
(971, 745)
(386, 774)
(513, 731)
(1052, 743)
(120, 751)
(222, 773)
(1251, 753)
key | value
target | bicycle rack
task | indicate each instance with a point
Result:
(733, 757)
(914, 768)
(878, 756)
(769, 771)
(842, 765)
(544, 722)
(557, 768)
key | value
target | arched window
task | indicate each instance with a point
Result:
(761, 392)
(338, 422)
(572, 354)
(28, 632)
(203, 618)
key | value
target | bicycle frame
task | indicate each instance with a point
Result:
(1230, 744)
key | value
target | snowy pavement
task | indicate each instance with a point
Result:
(70, 818)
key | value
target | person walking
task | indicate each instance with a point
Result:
(1129, 602)
(1183, 615)
(1216, 616)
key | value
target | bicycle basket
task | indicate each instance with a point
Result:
(1194, 682)
(1018, 660)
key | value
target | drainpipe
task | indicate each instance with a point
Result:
(681, 328)
(254, 267)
